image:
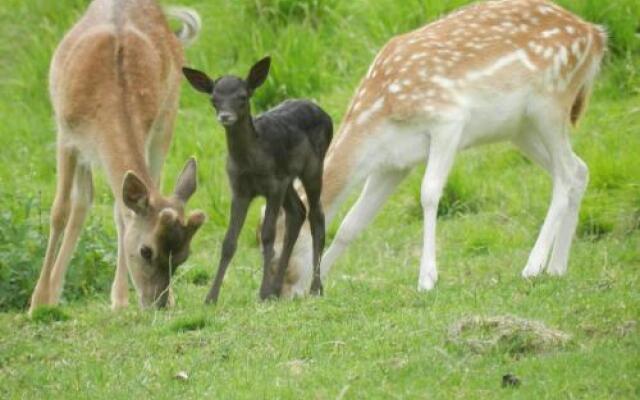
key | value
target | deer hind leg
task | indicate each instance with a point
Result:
(268, 235)
(295, 215)
(442, 151)
(81, 198)
(552, 150)
(377, 189)
(579, 178)
(313, 188)
(67, 161)
(120, 286)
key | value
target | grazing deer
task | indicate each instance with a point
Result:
(266, 154)
(114, 84)
(512, 70)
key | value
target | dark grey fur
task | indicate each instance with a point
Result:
(266, 154)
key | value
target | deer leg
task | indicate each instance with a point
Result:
(120, 286)
(239, 207)
(67, 161)
(442, 151)
(317, 224)
(81, 198)
(569, 175)
(295, 214)
(579, 178)
(267, 235)
(376, 191)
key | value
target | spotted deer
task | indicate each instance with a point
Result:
(114, 85)
(512, 70)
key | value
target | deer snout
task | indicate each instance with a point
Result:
(227, 117)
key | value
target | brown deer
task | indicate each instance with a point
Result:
(512, 70)
(114, 84)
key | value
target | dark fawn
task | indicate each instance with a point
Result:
(266, 155)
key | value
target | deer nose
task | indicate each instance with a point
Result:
(227, 117)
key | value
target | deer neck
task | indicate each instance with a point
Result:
(241, 139)
(341, 172)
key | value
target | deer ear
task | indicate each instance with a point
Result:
(259, 73)
(195, 221)
(199, 80)
(135, 193)
(187, 182)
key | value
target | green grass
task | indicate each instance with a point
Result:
(372, 335)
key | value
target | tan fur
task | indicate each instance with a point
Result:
(114, 85)
(459, 75)
(467, 40)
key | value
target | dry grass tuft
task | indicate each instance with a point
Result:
(513, 334)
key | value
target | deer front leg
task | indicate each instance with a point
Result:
(120, 286)
(67, 161)
(239, 207)
(442, 150)
(82, 196)
(377, 189)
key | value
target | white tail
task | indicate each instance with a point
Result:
(114, 84)
(191, 23)
(512, 70)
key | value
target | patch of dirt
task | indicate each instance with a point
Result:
(509, 333)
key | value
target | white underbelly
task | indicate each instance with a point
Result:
(87, 151)
(492, 117)
(396, 147)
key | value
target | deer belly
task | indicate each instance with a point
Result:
(493, 118)
(396, 146)
(86, 150)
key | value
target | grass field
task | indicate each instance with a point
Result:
(373, 335)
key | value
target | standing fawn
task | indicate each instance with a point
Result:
(512, 70)
(266, 154)
(114, 84)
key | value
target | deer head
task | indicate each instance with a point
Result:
(157, 234)
(230, 94)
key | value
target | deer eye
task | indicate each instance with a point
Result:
(146, 253)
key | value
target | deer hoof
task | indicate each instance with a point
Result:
(316, 288)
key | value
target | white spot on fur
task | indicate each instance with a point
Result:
(544, 10)
(564, 58)
(394, 88)
(549, 33)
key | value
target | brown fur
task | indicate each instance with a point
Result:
(114, 85)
